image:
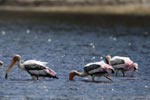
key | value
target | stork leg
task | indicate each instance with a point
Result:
(132, 74)
(116, 72)
(123, 73)
(93, 78)
(106, 76)
(34, 77)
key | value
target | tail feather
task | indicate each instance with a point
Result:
(55, 77)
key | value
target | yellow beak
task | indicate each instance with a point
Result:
(9, 68)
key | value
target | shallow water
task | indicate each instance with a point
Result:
(70, 45)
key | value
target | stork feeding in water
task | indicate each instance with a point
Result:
(122, 64)
(93, 69)
(33, 67)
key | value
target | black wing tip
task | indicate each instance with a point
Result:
(112, 71)
(55, 77)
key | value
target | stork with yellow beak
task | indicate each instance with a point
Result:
(93, 69)
(33, 67)
(122, 64)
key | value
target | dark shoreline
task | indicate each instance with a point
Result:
(77, 18)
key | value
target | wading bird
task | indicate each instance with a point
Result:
(33, 67)
(1, 63)
(93, 69)
(122, 64)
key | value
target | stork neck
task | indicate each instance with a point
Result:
(20, 64)
(82, 74)
(108, 60)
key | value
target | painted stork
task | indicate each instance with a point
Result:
(1, 63)
(122, 64)
(33, 67)
(93, 69)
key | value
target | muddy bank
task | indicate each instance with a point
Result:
(76, 18)
(71, 2)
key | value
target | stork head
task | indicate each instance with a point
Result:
(13, 61)
(72, 74)
(17, 57)
(107, 59)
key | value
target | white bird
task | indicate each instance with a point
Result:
(122, 64)
(33, 67)
(93, 69)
